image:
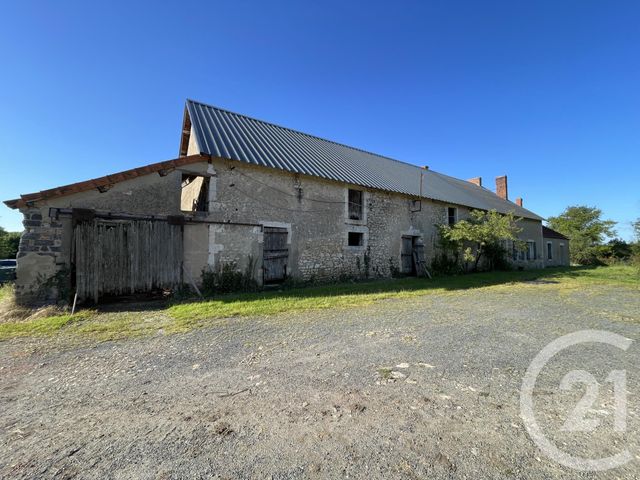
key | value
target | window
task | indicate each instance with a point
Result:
(356, 239)
(514, 249)
(355, 204)
(531, 250)
(549, 251)
(195, 193)
(452, 215)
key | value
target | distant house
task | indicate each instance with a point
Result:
(556, 248)
(265, 199)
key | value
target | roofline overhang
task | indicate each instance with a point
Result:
(102, 182)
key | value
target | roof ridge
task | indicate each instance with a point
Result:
(303, 133)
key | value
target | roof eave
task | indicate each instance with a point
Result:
(104, 181)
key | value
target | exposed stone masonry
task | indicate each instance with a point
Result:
(41, 235)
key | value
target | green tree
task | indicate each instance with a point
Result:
(616, 250)
(482, 235)
(9, 242)
(586, 229)
(635, 247)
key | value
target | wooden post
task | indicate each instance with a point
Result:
(75, 299)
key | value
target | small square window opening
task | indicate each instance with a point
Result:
(356, 239)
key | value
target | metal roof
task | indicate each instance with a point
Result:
(226, 134)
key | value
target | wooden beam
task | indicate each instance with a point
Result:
(106, 181)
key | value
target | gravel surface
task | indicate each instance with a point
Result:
(421, 388)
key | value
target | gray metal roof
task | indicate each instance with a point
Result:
(226, 134)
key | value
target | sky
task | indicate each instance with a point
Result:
(546, 92)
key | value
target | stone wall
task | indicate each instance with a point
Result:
(244, 198)
(40, 256)
(315, 212)
(44, 255)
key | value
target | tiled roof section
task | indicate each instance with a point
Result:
(105, 181)
(229, 135)
(549, 233)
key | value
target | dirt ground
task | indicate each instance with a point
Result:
(421, 388)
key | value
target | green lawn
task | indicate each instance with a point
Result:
(184, 316)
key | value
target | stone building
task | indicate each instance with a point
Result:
(263, 199)
(556, 248)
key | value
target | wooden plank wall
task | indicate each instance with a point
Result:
(126, 256)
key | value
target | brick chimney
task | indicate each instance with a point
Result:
(519, 201)
(476, 181)
(501, 187)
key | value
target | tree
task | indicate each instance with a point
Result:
(616, 250)
(9, 242)
(482, 235)
(635, 247)
(586, 229)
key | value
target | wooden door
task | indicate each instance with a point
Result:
(275, 254)
(116, 257)
(406, 255)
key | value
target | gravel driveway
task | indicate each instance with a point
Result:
(421, 388)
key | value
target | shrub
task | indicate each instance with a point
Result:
(228, 279)
(480, 237)
(613, 252)
(496, 257)
(635, 256)
(443, 264)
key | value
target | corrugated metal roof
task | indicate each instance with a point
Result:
(226, 134)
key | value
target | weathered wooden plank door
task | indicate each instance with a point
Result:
(406, 255)
(126, 256)
(275, 254)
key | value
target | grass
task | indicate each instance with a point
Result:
(6, 291)
(40, 326)
(185, 316)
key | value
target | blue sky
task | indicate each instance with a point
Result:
(546, 92)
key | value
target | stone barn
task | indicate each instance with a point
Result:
(255, 197)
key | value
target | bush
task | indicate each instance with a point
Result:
(496, 257)
(634, 260)
(444, 264)
(9, 242)
(229, 279)
(479, 237)
(614, 252)
(587, 256)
